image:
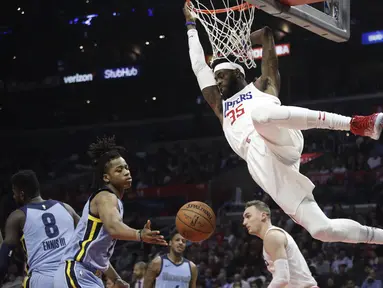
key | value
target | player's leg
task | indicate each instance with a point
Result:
(39, 280)
(59, 279)
(311, 217)
(285, 143)
(72, 274)
(302, 119)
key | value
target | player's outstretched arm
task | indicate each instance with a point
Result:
(72, 213)
(13, 228)
(202, 71)
(275, 245)
(107, 209)
(152, 272)
(270, 80)
(194, 275)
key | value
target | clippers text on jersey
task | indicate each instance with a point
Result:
(232, 110)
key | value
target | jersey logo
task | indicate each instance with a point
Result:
(235, 113)
(231, 104)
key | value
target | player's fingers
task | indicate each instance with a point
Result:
(155, 233)
(160, 242)
(147, 225)
(158, 238)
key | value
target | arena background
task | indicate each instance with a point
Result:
(71, 71)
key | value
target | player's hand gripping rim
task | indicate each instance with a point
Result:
(188, 15)
(152, 237)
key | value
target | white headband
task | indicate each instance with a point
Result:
(229, 66)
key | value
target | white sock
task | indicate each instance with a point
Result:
(326, 120)
(300, 118)
(372, 235)
(350, 231)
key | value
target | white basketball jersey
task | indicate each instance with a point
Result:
(281, 181)
(237, 123)
(300, 275)
(173, 275)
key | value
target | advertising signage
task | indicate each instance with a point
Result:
(105, 74)
(372, 37)
(281, 49)
(120, 73)
(256, 53)
(78, 78)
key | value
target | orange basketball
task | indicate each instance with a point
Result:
(195, 221)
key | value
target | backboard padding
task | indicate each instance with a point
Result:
(307, 17)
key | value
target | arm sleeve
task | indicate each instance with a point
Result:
(202, 71)
(281, 276)
(5, 255)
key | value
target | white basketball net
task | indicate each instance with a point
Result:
(229, 32)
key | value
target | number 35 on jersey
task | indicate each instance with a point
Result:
(233, 110)
(235, 113)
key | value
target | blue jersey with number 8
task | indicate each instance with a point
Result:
(47, 230)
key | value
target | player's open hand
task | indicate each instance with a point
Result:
(188, 15)
(152, 237)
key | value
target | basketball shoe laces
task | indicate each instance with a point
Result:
(363, 125)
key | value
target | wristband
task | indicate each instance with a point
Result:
(190, 23)
(139, 235)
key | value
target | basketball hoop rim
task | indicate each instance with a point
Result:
(242, 7)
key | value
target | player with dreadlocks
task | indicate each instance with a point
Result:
(92, 245)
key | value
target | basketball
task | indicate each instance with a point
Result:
(195, 221)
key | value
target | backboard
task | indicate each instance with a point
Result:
(333, 23)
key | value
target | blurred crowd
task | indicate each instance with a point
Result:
(347, 171)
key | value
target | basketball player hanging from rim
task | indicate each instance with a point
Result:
(268, 136)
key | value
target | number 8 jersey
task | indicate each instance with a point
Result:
(47, 230)
(237, 122)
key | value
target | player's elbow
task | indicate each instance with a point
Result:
(267, 32)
